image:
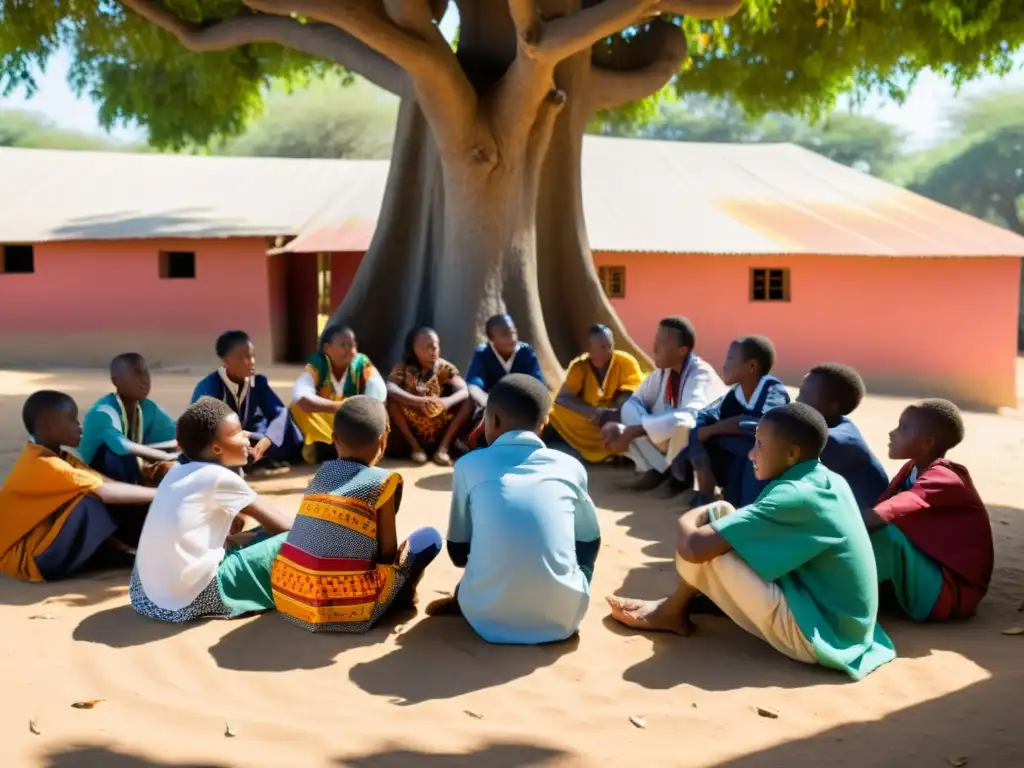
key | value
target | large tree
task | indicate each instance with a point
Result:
(483, 211)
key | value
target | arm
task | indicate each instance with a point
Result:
(305, 396)
(375, 387)
(872, 521)
(273, 519)
(696, 395)
(115, 493)
(106, 423)
(387, 534)
(696, 540)
(587, 530)
(534, 368)
(398, 395)
(460, 526)
(571, 402)
(459, 395)
(569, 396)
(151, 452)
(475, 378)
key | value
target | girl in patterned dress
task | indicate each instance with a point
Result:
(183, 569)
(341, 568)
(427, 399)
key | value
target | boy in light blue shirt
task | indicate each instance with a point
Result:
(523, 526)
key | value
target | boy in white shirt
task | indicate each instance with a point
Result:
(654, 424)
(182, 569)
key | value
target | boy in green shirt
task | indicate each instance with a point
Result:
(794, 568)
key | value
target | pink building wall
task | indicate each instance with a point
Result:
(928, 327)
(88, 301)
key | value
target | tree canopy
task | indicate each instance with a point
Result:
(797, 56)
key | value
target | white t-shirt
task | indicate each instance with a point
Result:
(182, 541)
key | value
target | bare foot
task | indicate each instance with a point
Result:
(651, 615)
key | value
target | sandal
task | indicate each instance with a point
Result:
(442, 459)
(419, 457)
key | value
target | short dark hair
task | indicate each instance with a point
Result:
(942, 419)
(600, 329)
(121, 364)
(521, 401)
(760, 349)
(198, 425)
(40, 403)
(228, 340)
(842, 384)
(497, 321)
(801, 425)
(333, 330)
(360, 421)
(685, 333)
(409, 351)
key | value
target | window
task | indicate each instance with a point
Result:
(177, 265)
(613, 280)
(769, 285)
(18, 260)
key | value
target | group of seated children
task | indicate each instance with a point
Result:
(794, 527)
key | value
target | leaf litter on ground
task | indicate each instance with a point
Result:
(1014, 631)
(474, 715)
(86, 704)
(768, 712)
(228, 733)
(957, 762)
(638, 720)
(43, 617)
(33, 726)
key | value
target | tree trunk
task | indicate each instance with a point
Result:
(461, 238)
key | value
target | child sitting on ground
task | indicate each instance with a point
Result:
(126, 436)
(721, 439)
(276, 439)
(794, 568)
(836, 391)
(182, 569)
(930, 530)
(522, 525)
(57, 516)
(341, 568)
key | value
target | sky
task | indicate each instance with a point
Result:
(922, 117)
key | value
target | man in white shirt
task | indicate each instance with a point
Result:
(654, 424)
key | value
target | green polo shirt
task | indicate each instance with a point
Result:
(805, 532)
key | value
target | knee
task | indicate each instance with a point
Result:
(425, 538)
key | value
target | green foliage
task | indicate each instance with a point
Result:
(325, 119)
(796, 57)
(139, 74)
(862, 142)
(28, 130)
(981, 170)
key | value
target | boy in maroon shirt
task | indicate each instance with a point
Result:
(930, 530)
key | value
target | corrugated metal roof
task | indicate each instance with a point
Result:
(646, 196)
(681, 197)
(57, 195)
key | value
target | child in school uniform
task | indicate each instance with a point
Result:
(836, 391)
(276, 439)
(126, 436)
(342, 568)
(523, 526)
(794, 568)
(58, 517)
(721, 439)
(930, 530)
(189, 565)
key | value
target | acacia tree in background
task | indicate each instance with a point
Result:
(483, 210)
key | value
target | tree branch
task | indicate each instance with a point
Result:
(612, 88)
(404, 31)
(705, 10)
(528, 81)
(320, 40)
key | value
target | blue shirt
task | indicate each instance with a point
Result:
(532, 535)
(104, 425)
(486, 370)
(848, 454)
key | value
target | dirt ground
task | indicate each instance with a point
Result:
(428, 692)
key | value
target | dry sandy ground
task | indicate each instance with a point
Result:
(428, 692)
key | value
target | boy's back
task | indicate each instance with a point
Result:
(847, 453)
(522, 508)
